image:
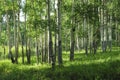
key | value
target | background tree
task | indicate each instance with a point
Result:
(59, 33)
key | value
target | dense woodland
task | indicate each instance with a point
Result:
(49, 32)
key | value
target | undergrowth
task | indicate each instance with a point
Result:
(102, 66)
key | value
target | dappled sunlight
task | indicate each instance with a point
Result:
(81, 59)
(83, 66)
(59, 39)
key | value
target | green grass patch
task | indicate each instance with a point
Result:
(102, 66)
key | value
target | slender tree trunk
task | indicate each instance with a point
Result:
(72, 35)
(102, 27)
(72, 44)
(26, 39)
(29, 51)
(105, 30)
(94, 35)
(50, 38)
(15, 40)
(55, 30)
(59, 34)
(79, 45)
(22, 38)
(28, 48)
(110, 33)
(47, 54)
(95, 30)
(22, 51)
(77, 41)
(116, 32)
(85, 36)
(46, 45)
(46, 48)
(18, 30)
(91, 38)
(55, 45)
(42, 50)
(37, 53)
(9, 40)
(15, 33)
(4, 52)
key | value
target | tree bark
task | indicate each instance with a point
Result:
(59, 34)
(103, 28)
(42, 50)
(22, 51)
(15, 33)
(37, 53)
(50, 38)
(55, 30)
(9, 40)
(46, 45)
(29, 51)
(72, 44)
(72, 34)
(85, 35)
(26, 39)
(110, 33)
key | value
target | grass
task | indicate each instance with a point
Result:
(102, 66)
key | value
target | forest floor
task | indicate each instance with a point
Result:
(101, 66)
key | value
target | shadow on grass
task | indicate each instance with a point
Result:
(83, 57)
(107, 70)
(99, 71)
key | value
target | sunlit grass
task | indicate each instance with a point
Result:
(83, 67)
(81, 58)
